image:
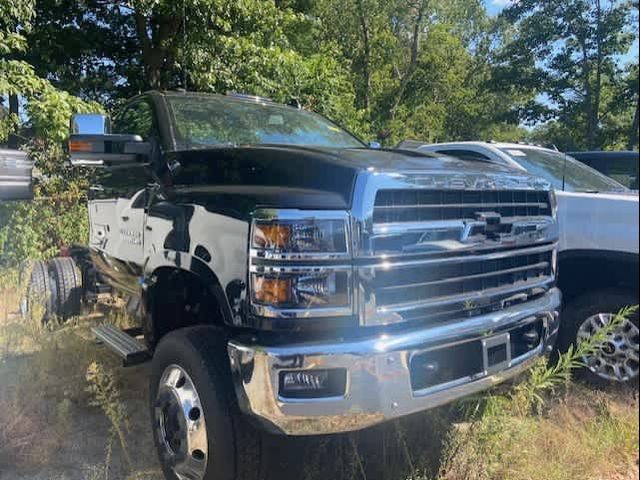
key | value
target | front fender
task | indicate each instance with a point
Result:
(186, 262)
(209, 244)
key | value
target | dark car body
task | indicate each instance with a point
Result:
(623, 166)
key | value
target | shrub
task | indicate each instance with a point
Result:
(57, 216)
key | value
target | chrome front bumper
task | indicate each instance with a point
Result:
(378, 384)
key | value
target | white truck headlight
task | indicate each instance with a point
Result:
(553, 202)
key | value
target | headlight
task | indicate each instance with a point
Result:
(300, 236)
(302, 290)
(553, 202)
(300, 264)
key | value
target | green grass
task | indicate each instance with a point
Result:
(585, 435)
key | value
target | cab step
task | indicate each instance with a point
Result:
(132, 351)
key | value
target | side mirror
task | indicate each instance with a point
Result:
(91, 144)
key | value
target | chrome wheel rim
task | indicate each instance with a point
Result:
(180, 425)
(617, 358)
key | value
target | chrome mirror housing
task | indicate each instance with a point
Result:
(91, 143)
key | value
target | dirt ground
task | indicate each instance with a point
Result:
(61, 435)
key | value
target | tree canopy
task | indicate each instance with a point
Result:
(572, 48)
(388, 70)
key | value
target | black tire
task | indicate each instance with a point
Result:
(236, 448)
(68, 280)
(40, 290)
(578, 309)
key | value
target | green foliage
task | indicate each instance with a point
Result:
(544, 378)
(58, 215)
(423, 70)
(569, 53)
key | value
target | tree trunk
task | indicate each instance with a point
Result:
(150, 70)
(12, 141)
(633, 133)
(413, 62)
(156, 34)
(593, 120)
(366, 68)
(588, 95)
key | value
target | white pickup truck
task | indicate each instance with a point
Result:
(15, 175)
(598, 259)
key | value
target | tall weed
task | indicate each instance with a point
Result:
(105, 395)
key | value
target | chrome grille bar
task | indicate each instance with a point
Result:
(466, 258)
(456, 279)
(465, 205)
(457, 299)
(430, 205)
(537, 266)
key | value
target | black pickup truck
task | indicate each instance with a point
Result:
(289, 279)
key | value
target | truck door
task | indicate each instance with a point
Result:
(130, 218)
(118, 215)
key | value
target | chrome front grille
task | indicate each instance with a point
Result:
(470, 284)
(436, 253)
(432, 205)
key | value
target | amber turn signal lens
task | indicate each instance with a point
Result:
(272, 236)
(80, 146)
(276, 291)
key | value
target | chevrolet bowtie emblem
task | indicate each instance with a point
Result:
(487, 224)
(490, 218)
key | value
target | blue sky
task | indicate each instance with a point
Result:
(495, 6)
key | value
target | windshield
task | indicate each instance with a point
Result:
(210, 121)
(551, 166)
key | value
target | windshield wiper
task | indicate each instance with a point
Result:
(617, 190)
(210, 146)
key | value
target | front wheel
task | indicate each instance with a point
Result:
(198, 431)
(616, 361)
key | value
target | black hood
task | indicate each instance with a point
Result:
(300, 177)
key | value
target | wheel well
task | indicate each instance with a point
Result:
(178, 299)
(588, 271)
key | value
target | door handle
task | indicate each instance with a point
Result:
(125, 218)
